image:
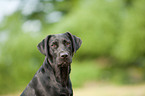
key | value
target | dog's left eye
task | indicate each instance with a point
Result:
(67, 43)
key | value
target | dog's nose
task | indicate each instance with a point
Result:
(63, 55)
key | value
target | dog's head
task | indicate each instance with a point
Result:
(59, 48)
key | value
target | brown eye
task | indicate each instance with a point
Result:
(67, 43)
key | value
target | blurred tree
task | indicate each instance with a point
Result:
(45, 10)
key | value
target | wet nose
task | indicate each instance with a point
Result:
(64, 55)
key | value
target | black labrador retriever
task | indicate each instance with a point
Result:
(52, 79)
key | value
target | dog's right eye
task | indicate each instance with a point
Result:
(68, 44)
(53, 45)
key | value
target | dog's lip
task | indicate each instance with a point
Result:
(63, 64)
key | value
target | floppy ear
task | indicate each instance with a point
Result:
(43, 47)
(76, 41)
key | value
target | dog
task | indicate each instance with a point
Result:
(52, 79)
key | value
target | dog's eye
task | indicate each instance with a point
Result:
(67, 43)
(53, 45)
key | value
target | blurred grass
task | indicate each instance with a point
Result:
(98, 88)
(105, 89)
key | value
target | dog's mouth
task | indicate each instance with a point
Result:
(64, 64)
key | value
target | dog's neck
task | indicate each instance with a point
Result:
(61, 73)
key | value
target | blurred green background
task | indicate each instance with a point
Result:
(112, 31)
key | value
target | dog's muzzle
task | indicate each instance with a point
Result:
(64, 59)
